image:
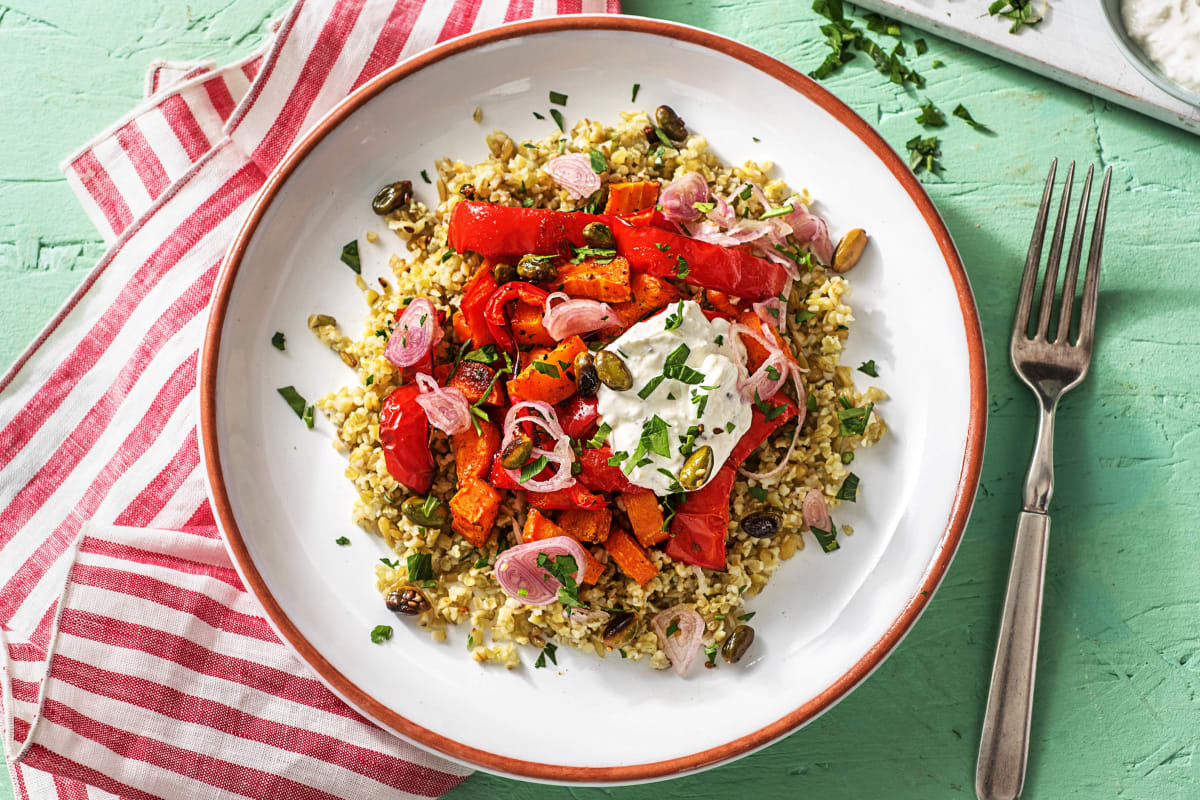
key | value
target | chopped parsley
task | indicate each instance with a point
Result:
(778, 212)
(746, 191)
(558, 98)
(601, 434)
(674, 486)
(342, 540)
(650, 386)
(637, 87)
(550, 652)
(420, 566)
(704, 208)
(847, 456)
(664, 247)
(674, 319)
(381, 633)
(673, 628)
(921, 46)
(811, 402)
(772, 373)
(546, 369)
(446, 256)
(350, 257)
(924, 153)
(484, 355)
(868, 368)
(700, 401)
(931, 116)
(598, 162)
(682, 270)
(533, 468)
(425, 176)
(769, 411)
(481, 563)
(841, 34)
(278, 341)
(297, 403)
(471, 640)
(758, 493)
(746, 617)
(710, 653)
(827, 539)
(538, 116)
(849, 490)
(561, 568)
(662, 137)
(1020, 12)
(654, 436)
(675, 368)
(558, 119)
(391, 563)
(854, 420)
(961, 112)
(370, 379)
(937, 63)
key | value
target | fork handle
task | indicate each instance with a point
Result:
(1004, 743)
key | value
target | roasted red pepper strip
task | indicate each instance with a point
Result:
(598, 475)
(578, 416)
(404, 435)
(702, 519)
(499, 232)
(475, 296)
(493, 313)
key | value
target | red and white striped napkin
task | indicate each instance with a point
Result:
(132, 662)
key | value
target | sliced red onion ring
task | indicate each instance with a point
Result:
(761, 381)
(765, 476)
(561, 457)
(416, 332)
(682, 645)
(678, 198)
(575, 315)
(445, 406)
(574, 173)
(517, 569)
(815, 510)
(810, 230)
(773, 312)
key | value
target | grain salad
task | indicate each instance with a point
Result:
(631, 366)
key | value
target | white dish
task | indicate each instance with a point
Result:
(823, 623)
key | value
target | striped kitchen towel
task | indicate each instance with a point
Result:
(132, 662)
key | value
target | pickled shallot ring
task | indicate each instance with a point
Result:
(574, 173)
(445, 406)
(561, 457)
(764, 476)
(415, 334)
(574, 316)
(517, 570)
(682, 645)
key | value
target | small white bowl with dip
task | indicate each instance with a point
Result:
(1161, 39)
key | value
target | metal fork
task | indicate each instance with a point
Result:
(1050, 367)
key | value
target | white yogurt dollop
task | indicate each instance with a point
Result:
(696, 404)
(1168, 31)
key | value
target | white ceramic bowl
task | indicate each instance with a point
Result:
(823, 623)
(1137, 57)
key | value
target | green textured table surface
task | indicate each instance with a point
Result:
(1117, 712)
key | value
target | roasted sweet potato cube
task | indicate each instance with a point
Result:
(586, 525)
(473, 451)
(549, 377)
(606, 280)
(527, 328)
(645, 517)
(630, 556)
(473, 510)
(474, 378)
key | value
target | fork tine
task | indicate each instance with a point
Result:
(1050, 281)
(1072, 276)
(1029, 279)
(1091, 281)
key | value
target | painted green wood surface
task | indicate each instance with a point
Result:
(1117, 712)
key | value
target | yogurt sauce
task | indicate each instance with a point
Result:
(703, 400)
(1168, 31)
